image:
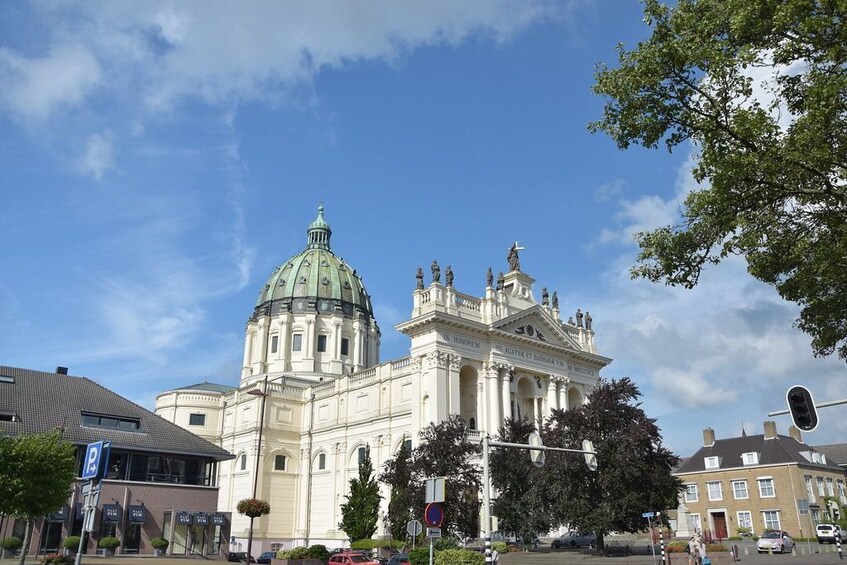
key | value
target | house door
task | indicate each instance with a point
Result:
(720, 525)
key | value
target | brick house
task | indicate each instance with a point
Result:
(161, 479)
(761, 482)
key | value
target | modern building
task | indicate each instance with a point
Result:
(766, 481)
(313, 395)
(161, 481)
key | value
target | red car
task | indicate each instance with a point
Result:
(351, 558)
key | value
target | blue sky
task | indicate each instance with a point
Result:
(159, 159)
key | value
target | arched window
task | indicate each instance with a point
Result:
(321, 461)
(243, 464)
(279, 463)
(362, 454)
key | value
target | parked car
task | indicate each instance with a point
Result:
(399, 559)
(351, 558)
(239, 557)
(574, 540)
(826, 533)
(265, 558)
(774, 540)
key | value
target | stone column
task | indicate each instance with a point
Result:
(453, 385)
(493, 399)
(536, 412)
(551, 394)
(506, 390)
(303, 488)
(563, 393)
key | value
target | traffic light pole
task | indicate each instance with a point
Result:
(818, 405)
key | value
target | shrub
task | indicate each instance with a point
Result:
(676, 546)
(56, 559)
(71, 542)
(12, 543)
(363, 544)
(317, 551)
(459, 557)
(419, 556)
(500, 546)
(159, 543)
(712, 547)
(294, 553)
(446, 542)
(109, 542)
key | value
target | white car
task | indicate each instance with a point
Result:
(826, 533)
(777, 541)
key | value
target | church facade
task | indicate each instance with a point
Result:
(313, 396)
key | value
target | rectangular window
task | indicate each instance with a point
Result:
(321, 344)
(830, 487)
(841, 493)
(745, 520)
(712, 462)
(739, 490)
(751, 458)
(322, 461)
(111, 422)
(696, 524)
(7, 379)
(715, 491)
(771, 519)
(345, 346)
(690, 493)
(810, 489)
(766, 487)
(820, 486)
(196, 419)
(279, 463)
(296, 342)
(362, 454)
(243, 465)
(274, 343)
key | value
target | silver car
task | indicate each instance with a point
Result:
(574, 540)
(775, 541)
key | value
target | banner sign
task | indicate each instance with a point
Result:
(218, 519)
(137, 514)
(183, 518)
(112, 513)
(201, 519)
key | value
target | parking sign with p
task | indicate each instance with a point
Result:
(96, 459)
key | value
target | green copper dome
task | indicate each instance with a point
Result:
(315, 280)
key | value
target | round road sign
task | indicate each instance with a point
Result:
(433, 515)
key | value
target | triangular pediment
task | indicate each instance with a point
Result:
(535, 324)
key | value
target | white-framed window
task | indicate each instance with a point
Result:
(739, 489)
(771, 519)
(820, 486)
(322, 461)
(810, 489)
(712, 462)
(196, 419)
(830, 487)
(715, 490)
(279, 462)
(242, 462)
(751, 458)
(696, 524)
(745, 520)
(322, 344)
(274, 343)
(691, 493)
(296, 342)
(276, 546)
(841, 492)
(345, 347)
(766, 487)
(362, 453)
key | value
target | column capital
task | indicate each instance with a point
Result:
(455, 361)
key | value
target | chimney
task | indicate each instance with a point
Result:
(708, 437)
(61, 370)
(794, 432)
(770, 429)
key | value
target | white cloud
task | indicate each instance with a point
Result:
(607, 191)
(35, 88)
(98, 157)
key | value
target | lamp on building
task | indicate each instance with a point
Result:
(263, 393)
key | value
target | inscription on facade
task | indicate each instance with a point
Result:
(516, 353)
(461, 340)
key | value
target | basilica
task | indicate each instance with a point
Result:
(313, 394)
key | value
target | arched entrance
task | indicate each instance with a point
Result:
(468, 397)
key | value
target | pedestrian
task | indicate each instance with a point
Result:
(693, 551)
(495, 556)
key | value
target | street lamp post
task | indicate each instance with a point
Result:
(264, 395)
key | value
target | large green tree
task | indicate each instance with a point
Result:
(758, 90)
(633, 467)
(397, 474)
(522, 500)
(444, 451)
(36, 472)
(360, 513)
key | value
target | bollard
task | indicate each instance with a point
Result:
(662, 544)
(794, 551)
(802, 550)
(838, 545)
(746, 551)
(770, 549)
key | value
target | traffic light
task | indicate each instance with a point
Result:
(801, 406)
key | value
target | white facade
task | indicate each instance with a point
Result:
(499, 356)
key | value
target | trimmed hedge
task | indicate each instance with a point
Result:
(367, 544)
(317, 551)
(459, 557)
(12, 543)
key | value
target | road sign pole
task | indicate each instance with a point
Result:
(486, 499)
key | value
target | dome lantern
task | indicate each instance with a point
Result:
(319, 232)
